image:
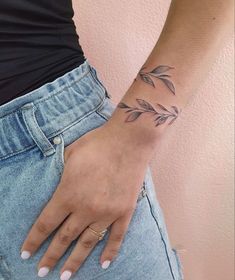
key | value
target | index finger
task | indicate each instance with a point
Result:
(50, 218)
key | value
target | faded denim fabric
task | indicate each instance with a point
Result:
(31, 164)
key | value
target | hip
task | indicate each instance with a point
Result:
(34, 130)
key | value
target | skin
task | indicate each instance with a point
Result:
(119, 151)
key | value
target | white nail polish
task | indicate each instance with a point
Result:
(25, 255)
(43, 271)
(105, 264)
(66, 275)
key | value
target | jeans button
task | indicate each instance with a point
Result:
(56, 140)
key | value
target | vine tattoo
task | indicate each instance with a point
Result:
(159, 73)
(162, 114)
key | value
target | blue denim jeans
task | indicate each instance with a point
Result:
(31, 164)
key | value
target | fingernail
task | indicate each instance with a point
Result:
(25, 255)
(105, 264)
(43, 271)
(66, 275)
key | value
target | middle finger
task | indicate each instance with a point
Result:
(69, 231)
(86, 243)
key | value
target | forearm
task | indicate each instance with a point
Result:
(189, 42)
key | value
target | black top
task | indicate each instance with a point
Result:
(38, 43)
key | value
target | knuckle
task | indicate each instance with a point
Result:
(51, 259)
(42, 227)
(117, 237)
(99, 206)
(72, 231)
(113, 251)
(75, 262)
(96, 207)
(64, 239)
(31, 244)
(119, 211)
(87, 243)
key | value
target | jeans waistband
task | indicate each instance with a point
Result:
(48, 110)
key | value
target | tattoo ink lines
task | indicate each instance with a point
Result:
(161, 116)
(159, 73)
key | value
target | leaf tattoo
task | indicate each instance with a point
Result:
(159, 73)
(161, 115)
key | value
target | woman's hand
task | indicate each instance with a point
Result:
(99, 187)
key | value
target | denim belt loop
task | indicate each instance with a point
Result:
(28, 112)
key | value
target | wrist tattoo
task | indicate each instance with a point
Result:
(162, 114)
(159, 73)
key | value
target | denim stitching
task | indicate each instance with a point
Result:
(97, 81)
(151, 210)
(51, 95)
(39, 130)
(56, 132)
(108, 113)
(54, 94)
(102, 115)
(60, 156)
(179, 264)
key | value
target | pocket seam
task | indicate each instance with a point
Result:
(102, 115)
(179, 263)
(95, 78)
(107, 106)
(162, 238)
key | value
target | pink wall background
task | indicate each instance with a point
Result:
(193, 165)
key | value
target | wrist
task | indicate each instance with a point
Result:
(132, 139)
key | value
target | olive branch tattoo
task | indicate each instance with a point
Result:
(160, 73)
(161, 116)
